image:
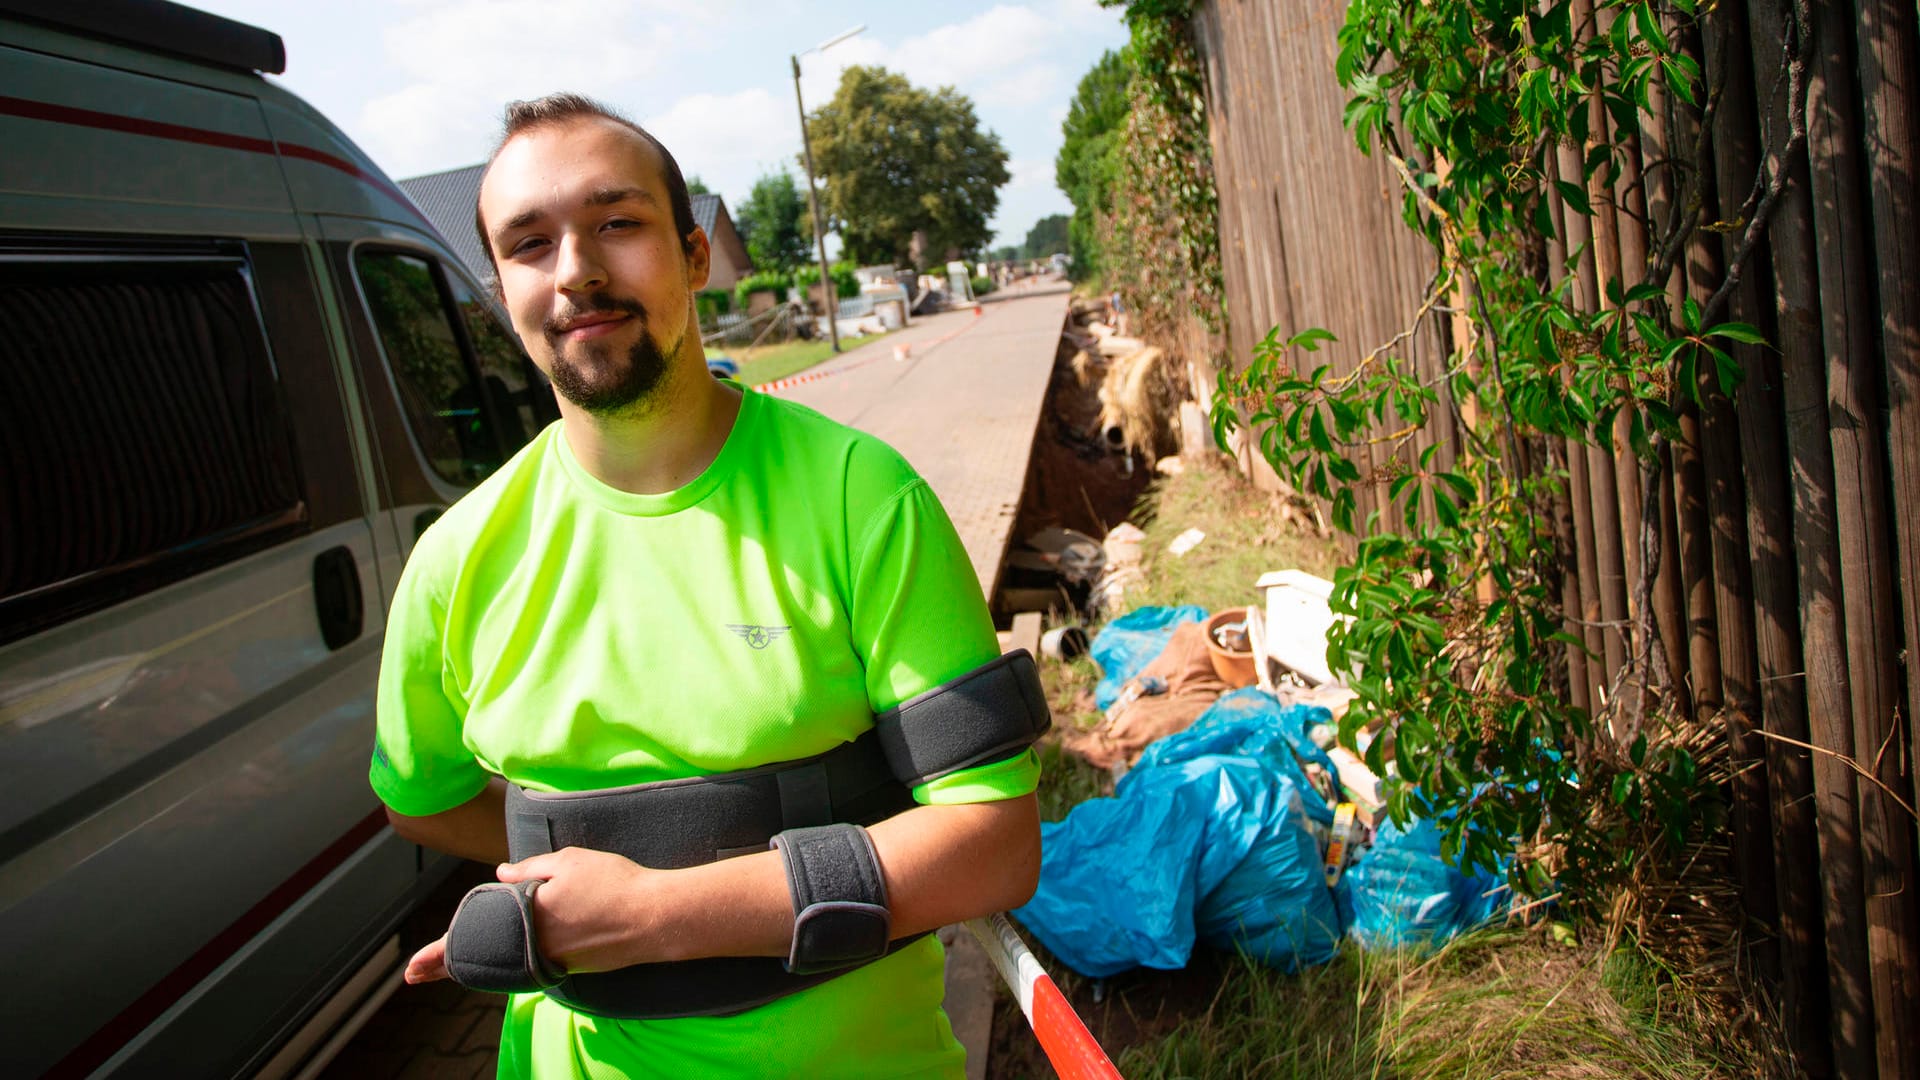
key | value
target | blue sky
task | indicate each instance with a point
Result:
(419, 84)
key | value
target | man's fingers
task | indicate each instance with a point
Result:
(543, 867)
(429, 964)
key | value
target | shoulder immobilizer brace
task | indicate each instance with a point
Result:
(840, 909)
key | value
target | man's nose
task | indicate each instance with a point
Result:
(579, 268)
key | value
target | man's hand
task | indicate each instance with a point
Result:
(590, 915)
(598, 911)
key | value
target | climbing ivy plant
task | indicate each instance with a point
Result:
(1159, 232)
(1458, 636)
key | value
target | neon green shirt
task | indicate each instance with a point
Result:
(568, 636)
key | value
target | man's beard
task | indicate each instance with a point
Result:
(600, 384)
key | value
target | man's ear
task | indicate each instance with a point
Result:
(699, 259)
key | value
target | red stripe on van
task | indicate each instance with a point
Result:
(117, 1032)
(159, 129)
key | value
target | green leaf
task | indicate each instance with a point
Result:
(1737, 331)
(1574, 196)
(1317, 432)
(1638, 752)
(1310, 339)
(1729, 371)
(1650, 29)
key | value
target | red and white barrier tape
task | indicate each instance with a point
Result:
(1069, 1045)
(900, 352)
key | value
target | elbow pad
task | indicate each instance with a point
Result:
(987, 715)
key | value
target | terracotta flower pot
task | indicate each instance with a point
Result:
(1235, 668)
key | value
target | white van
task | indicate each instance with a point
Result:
(239, 372)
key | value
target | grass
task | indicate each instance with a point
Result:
(1499, 1004)
(1249, 532)
(770, 362)
(1496, 1004)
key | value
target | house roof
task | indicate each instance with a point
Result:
(447, 199)
(705, 209)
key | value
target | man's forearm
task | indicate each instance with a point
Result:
(476, 829)
(598, 911)
(942, 864)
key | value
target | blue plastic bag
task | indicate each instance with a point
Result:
(1401, 892)
(1206, 839)
(1129, 643)
(1251, 723)
(1275, 905)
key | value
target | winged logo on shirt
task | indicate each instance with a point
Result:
(758, 636)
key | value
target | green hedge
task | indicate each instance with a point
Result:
(775, 281)
(844, 283)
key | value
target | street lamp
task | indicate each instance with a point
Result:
(829, 296)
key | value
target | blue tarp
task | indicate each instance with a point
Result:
(1401, 892)
(1250, 722)
(1129, 643)
(1205, 839)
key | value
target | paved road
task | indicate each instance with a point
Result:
(962, 407)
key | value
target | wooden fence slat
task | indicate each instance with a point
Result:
(1817, 684)
(1775, 595)
(1887, 61)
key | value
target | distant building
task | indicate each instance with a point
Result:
(448, 198)
(730, 259)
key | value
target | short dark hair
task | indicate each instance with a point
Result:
(564, 107)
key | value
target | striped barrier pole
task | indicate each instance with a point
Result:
(1069, 1045)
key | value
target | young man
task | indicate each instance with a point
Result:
(681, 578)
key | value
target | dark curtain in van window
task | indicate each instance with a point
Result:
(140, 420)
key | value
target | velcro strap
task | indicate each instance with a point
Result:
(988, 714)
(491, 944)
(840, 915)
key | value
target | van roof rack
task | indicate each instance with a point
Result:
(164, 27)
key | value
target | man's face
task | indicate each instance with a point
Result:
(592, 271)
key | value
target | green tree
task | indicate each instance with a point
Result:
(697, 186)
(1007, 254)
(1048, 235)
(773, 223)
(899, 159)
(1088, 161)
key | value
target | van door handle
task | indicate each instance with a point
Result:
(336, 596)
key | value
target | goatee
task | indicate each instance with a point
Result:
(598, 382)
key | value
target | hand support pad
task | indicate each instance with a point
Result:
(491, 944)
(840, 915)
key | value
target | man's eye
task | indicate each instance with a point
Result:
(525, 245)
(622, 223)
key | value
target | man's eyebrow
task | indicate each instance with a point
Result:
(609, 196)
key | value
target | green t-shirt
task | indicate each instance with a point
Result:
(569, 636)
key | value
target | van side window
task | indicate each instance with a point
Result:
(143, 430)
(524, 397)
(438, 385)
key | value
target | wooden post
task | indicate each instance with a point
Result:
(1576, 236)
(1803, 982)
(1887, 59)
(1816, 686)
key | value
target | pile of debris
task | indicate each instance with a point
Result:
(1138, 387)
(1238, 818)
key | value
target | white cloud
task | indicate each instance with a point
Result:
(424, 128)
(998, 57)
(729, 140)
(1029, 174)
